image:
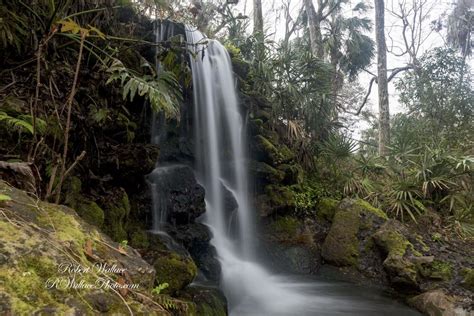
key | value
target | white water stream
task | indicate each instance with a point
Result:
(220, 165)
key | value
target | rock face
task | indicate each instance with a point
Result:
(391, 240)
(184, 196)
(290, 247)
(50, 257)
(345, 244)
(47, 248)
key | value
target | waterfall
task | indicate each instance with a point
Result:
(220, 151)
(221, 164)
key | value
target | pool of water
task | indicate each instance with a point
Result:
(321, 297)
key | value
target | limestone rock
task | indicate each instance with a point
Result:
(436, 303)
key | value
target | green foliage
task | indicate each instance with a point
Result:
(22, 123)
(4, 197)
(439, 95)
(161, 90)
(160, 287)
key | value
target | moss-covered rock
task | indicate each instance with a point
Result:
(293, 173)
(117, 208)
(278, 199)
(390, 238)
(326, 208)
(72, 192)
(341, 246)
(468, 278)
(176, 270)
(91, 213)
(46, 237)
(271, 153)
(284, 227)
(265, 173)
(89, 210)
(139, 239)
(435, 303)
(437, 270)
(208, 301)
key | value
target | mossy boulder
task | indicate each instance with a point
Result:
(391, 239)
(45, 237)
(116, 207)
(284, 228)
(89, 210)
(342, 245)
(273, 154)
(208, 301)
(326, 208)
(72, 192)
(266, 174)
(175, 269)
(435, 303)
(277, 199)
(91, 213)
(437, 270)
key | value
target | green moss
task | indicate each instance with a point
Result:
(116, 212)
(441, 270)
(341, 246)
(401, 270)
(26, 288)
(286, 227)
(91, 213)
(293, 173)
(468, 278)
(139, 239)
(266, 172)
(280, 196)
(424, 246)
(367, 207)
(176, 270)
(64, 226)
(393, 242)
(271, 154)
(72, 192)
(326, 208)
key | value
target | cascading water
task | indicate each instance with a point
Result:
(221, 170)
(221, 155)
(220, 139)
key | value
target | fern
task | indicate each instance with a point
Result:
(162, 91)
(23, 123)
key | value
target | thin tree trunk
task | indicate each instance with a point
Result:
(384, 112)
(70, 100)
(257, 19)
(314, 27)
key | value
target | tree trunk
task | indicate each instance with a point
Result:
(257, 19)
(314, 27)
(384, 112)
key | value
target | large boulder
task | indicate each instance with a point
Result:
(177, 186)
(196, 239)
(271, 153)
(175, 269)
(48, 251)
(352, 220)
(290, 247)
(391, 239)
(436, 303)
